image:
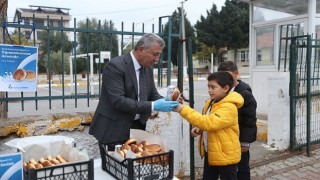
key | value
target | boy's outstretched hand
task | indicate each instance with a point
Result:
(195, 131)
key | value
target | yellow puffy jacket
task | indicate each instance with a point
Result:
(222, 127)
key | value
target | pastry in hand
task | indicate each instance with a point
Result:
(175, 94)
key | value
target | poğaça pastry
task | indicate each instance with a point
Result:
(143, 149)
(175, 94)
(44, 162)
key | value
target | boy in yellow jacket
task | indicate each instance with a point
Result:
(218, 124)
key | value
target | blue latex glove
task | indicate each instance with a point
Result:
(164, 106)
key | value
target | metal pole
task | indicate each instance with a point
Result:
(183, 38)
(308, 61)
(191, 103)
(211, 63)
(91, 74)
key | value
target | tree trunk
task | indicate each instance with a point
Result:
(235, 56)
(3, 12)
(3, 110)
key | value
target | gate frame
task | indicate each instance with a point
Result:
(307, 43)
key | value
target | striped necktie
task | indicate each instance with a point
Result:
(142, 85)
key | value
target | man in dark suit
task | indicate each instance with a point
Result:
(123, 104)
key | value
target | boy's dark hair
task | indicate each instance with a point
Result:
(223, 78)
(227, 66)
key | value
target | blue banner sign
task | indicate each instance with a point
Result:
(11, 167)
(18, 68)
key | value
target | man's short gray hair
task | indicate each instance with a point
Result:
(148, 40)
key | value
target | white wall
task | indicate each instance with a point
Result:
(260, 89)
(278, 110)
(175, 132)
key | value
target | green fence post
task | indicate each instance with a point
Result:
(292, 89)
(308, 61)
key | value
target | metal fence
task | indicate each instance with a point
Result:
(304, 92)
(69, 82)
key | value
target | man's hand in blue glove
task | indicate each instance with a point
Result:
(164, 106)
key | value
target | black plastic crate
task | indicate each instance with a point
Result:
(155, 167)
(83, 170)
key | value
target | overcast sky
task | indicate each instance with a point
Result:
(127, 11)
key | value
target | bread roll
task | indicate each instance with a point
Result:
(144, 143)
(175, 94)
(46, 163)
(31, 166)
(33, 161)
(133, 147)
(161, 151)
(155, 159)
(140, 145)
(131, 141)
(153, 147)
(146, 160)
(41, 160)
(125, 147)
(164, 159)
(138, 149)
(146, 153)
(61, 159)
(49, 158)
(38, 166)
(55, 161)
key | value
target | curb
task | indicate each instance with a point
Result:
(262, 129)
(66, 84)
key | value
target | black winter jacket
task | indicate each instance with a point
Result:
(247, 113)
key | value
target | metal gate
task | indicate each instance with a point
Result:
(304, 92)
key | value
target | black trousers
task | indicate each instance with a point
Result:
(136, 125)
(228, 172)
(243, 166)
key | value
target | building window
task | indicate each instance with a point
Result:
(39, 34)
(39, 22)
(259, 55)
(203, 61)
(286, 32)
(26, 21)
(264, 46)
(60, 23)
(51, 23)
(243, 56)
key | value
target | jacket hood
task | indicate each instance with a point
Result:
(242, 86)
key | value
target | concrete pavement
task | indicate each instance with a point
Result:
(271, 164)
(288, 165)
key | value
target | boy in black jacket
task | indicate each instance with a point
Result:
(246, 117)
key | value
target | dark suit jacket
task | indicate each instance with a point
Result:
(118, 102)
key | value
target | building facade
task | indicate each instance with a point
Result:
(41, 16)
